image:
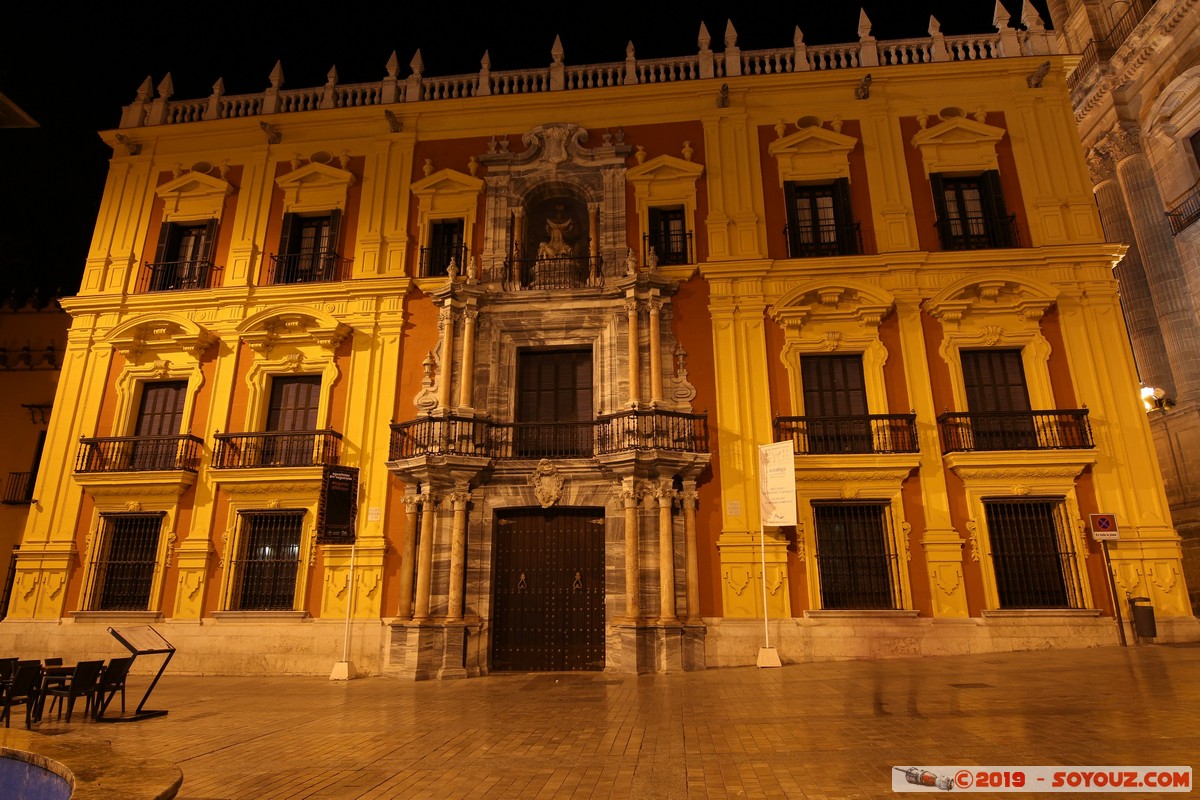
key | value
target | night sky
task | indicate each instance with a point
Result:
(73, 69)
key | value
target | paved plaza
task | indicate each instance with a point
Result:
(819, 730)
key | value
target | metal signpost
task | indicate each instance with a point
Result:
(777, 506)
(1104, 530)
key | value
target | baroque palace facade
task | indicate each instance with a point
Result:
(1136, 94)
(476, 369)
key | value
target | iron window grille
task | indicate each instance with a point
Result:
(1032, 553)
(125, 561)
(266, 567)
(856, 557)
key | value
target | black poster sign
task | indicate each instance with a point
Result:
(338, 506)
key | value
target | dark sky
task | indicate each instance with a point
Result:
(73, 68)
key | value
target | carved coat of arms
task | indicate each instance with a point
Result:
(547, 483)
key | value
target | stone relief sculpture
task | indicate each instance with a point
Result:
(547, 483)
(556, 245)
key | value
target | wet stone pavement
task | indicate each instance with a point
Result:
(822, 730)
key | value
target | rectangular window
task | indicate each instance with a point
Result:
(308, 248)
(835, 404)
(1032, 553)
(971, 212)
(292, 421)
(159, 420)
(856, 563)
(820, 221)
(998, 400)
(126, 557)
(445, 244)
(267, 563)
(668, 236)
(554, 403)
(184, 256)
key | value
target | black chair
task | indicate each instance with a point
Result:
(23, 689)
(8, 668)
(52, 662)
(111, 682)
(82, 684)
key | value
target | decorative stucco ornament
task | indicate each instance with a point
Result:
(547, 483)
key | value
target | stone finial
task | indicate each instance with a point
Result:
(780, 129)
(631, 75)
(730, 34)
(629, 49)
(473, 165)
(145, 92)
(703, 40)
(864, 24)
(688, 151)
(640, 155)
(218, 88)
(166, 87)
(556, 50)
(1030, 17)
(486, 62)
(1001, 18)
(276, 76)
(935, 27)
(392, 66)
(428, 167)
(797, 37)
(417, 65)
(331, 77)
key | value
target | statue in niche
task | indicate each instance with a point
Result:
(557, 231)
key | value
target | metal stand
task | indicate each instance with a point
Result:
(142, 641)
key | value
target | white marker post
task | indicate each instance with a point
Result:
(777, 506)
(344, 669)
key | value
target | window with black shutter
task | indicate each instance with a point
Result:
(971, 214)
(159, 421)
(668, 236)
(292, 418)
(445, 243)
(183, 259)
(835, 404)
(998, 399)
(554, 403)
(308, 248)
(820, 220)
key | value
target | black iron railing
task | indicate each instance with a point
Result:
(1104, 48)
(1186, 212)
(613, 433)
(172, 276)
(979, 232)
(266, 563)
(138, 453)
(435, 260)
(122, 572)
(317, 267)
(875, 433)
(18, 491)
(565, 272)
(826, 239)
(276, 449)
(673, 247)
(1022, 430)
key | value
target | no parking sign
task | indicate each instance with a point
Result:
(1104, 527)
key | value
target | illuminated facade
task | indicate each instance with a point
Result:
(546, 317)
(1136, 94)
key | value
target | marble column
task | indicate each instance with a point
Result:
(656, 381)
(409, 555)
(425, 557)
(446, 370)
(635, 368)
(458, 551)
(466, 381)
(629, 493)
(666, 554)
(688, 498)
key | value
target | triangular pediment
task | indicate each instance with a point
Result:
(813, 153)
(665, 168)
(958, 144)
(193, 195)
(315, 187)
(448, 180)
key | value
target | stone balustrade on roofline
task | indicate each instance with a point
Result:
(1031, 40)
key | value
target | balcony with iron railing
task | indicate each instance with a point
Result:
(669, 248)
(561, 272)
(1185, 212)
(435, 260)
(276, 449)
(866, 434)
(981, 232)
(138, 454)
(318, 267)
(607, 435)
(173, 276)
(18, 490)
(826, 239)
(1067, 429)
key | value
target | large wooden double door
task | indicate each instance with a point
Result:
(548, 590)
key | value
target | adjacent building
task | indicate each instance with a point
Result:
(1136, 95)
(474, 370)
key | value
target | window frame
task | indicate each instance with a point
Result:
(846, 239)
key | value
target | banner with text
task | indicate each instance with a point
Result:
(777, 483)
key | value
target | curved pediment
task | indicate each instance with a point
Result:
(160, 334)
(813, 153)
(315, 187)
(297, 325)
(995, 294)
(832, 302)
(193, 196)
(958, 144)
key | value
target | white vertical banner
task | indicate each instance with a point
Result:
(777, 483)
